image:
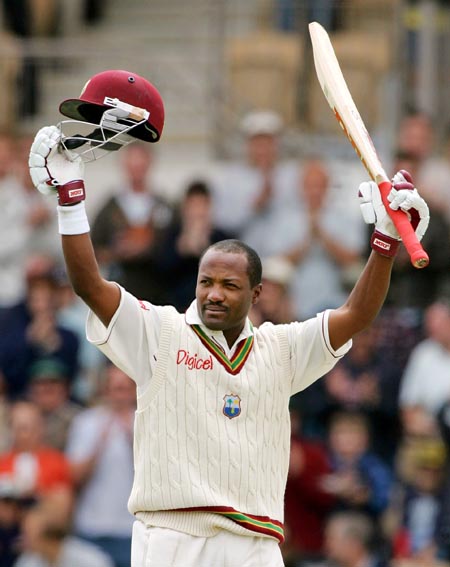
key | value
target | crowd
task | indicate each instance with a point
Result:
(370, 449)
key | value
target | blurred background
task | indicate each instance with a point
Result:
(250, 149)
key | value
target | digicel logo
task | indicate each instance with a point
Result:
(194, 362)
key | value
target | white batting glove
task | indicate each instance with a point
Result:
(54, 171)
(403, 195)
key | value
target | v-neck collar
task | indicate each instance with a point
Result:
(213, 340)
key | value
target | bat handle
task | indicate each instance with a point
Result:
(419, 258)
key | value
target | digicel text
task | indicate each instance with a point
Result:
(193, 361)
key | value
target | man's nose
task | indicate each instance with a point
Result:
(216, 294)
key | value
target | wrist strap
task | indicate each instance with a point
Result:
(71, 193)
(72, 220)
(383, 244)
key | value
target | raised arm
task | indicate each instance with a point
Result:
(363, 303)
(369, 293)
(54, 174)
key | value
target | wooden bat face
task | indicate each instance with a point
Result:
(341, 102)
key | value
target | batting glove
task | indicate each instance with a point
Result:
(403, 195)
(54, 171)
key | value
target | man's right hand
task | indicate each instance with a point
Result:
(53, 170)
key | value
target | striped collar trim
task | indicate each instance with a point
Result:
(258, 524)
(237, 361)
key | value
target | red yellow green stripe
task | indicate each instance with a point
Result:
(233, 365)
(258, 524)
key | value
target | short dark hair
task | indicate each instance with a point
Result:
(197, 187)
(234, 246)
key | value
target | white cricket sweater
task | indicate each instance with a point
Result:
(211, 447)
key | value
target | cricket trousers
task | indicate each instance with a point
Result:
(162, 547)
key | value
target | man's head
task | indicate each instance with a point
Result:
(49, 384)
(137, 161)
(416, 135)
(228, 284)
(196, 202)
(348, 538)
(119, 389)
(262, 131)
(437, 322)
(26, 426)
(348, 435)
(314, 183)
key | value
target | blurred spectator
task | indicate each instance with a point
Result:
(307, 504)
(30, 465)
(329, 241)
(419, 288)
(71, 314)
(349, 542)
(14, 233)
(49, 391)
(363, 382)
(129, 229)
(443, 524)
(253, 197)
(27, 19)
(48, 542)
(399, 331)
(417, 138)
(425, 384)
(411, 520)
(11, 509)
(34, 333)
(188, 236)
(360, 480)
(4, 414)
(275, 302)
(40, 210)
(100, 449)
(294, 15)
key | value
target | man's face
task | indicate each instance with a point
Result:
(262, 150)
(223, 292)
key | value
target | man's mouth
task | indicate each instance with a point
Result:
(215, 308)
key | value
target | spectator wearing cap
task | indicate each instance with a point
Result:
(49, 390)
(275, 303)
(254, 195)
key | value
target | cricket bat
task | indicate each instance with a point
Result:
(341, 102)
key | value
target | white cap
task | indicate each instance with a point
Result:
(262, 122)
(277, 269)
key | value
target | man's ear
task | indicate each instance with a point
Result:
(256, 293)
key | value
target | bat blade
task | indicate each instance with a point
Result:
(344, 108)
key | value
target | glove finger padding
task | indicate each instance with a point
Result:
(52, 170)
(403, 196)
(45, 140)
(373, 211)
(414, 205)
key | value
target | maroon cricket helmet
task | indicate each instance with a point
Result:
(126, 87)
